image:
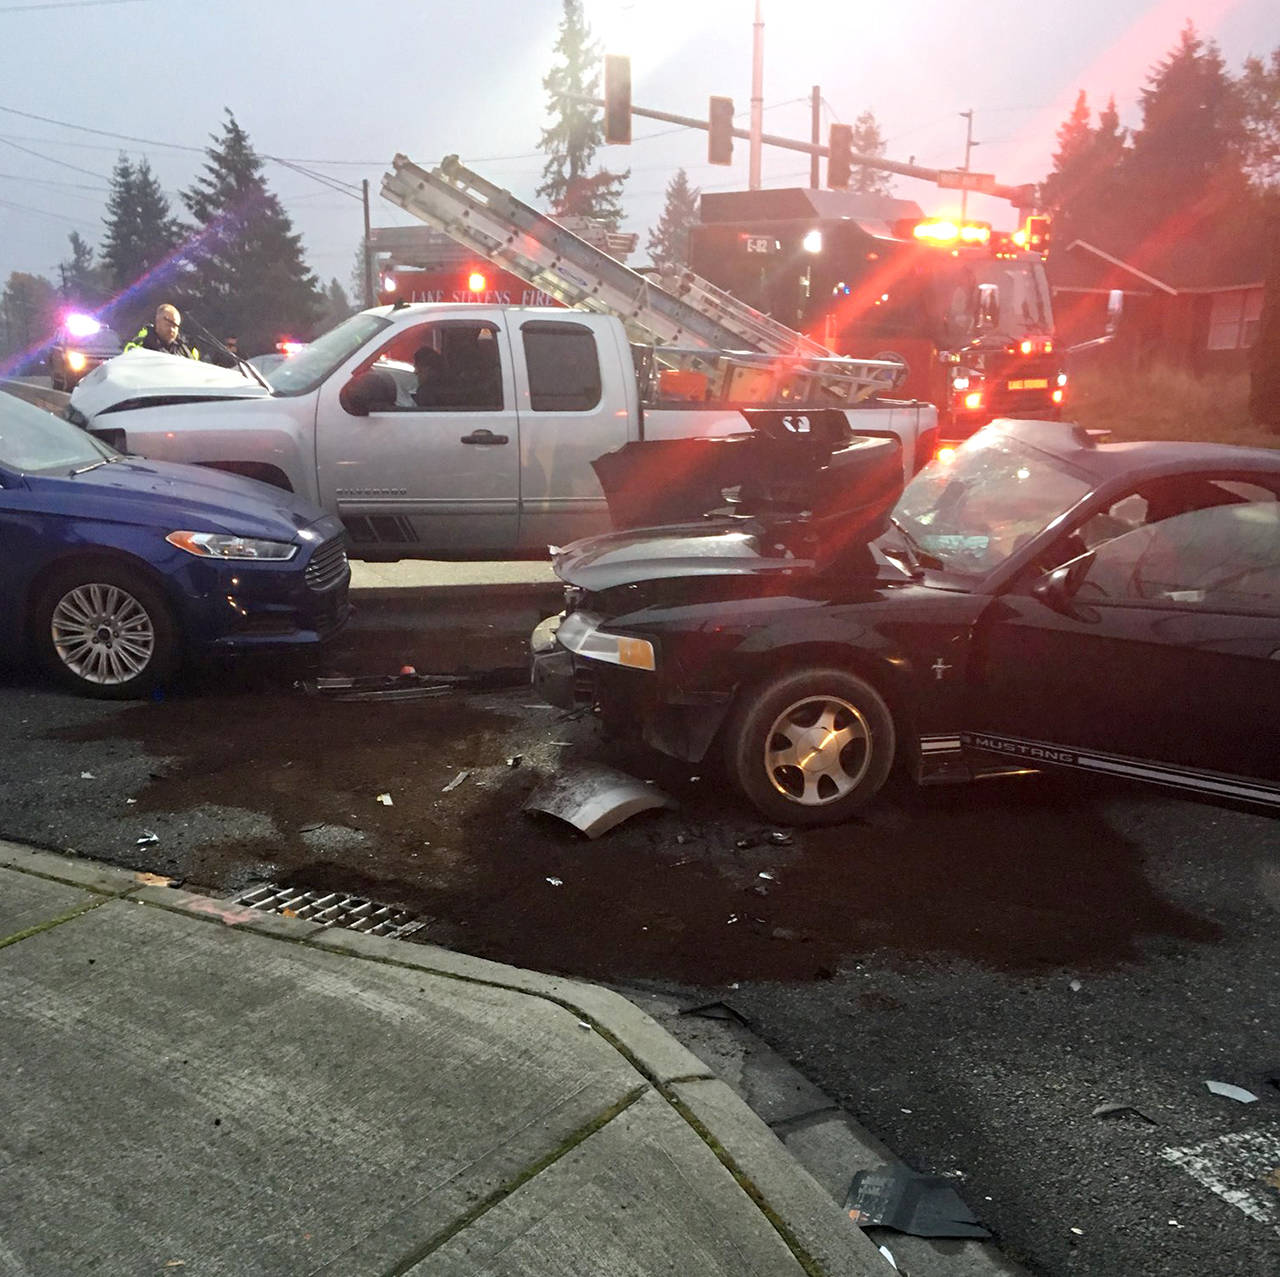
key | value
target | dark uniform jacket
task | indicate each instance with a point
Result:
(148, 339)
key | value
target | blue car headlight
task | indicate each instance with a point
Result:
(221, 545)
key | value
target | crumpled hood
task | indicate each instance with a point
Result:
(141, 375)
(170, 496)
(682, 550)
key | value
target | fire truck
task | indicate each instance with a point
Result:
(477, 281)
(963, 309)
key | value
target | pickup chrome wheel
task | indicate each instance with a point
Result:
(811, 747)
(105, 631)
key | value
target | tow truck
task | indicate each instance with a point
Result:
(965, 310)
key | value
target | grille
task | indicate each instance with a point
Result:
(328, 565)
(332, 909)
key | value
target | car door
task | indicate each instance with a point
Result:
(1161, 658)
(437, 474)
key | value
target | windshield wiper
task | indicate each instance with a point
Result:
(93, 465)
(915, 553)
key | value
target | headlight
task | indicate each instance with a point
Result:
(220, 545)
(75, 360)
(580, 632)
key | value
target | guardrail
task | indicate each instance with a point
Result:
(54, 401)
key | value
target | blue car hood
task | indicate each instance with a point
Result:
(172, 496)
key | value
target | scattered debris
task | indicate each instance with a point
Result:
(910, 1202)
(594, 798)
(405, 686)
(888, 1254)
(455, 782)
(87, 776)
(147, 839)
(556, 882)
(768, 875)
(780, 838)
(1079, 1232)
(515, 760)
(1122, 1110)
(1075, 986)
(731, 919)
(130, 801)
(744, 843)
(153, 880)
(385, 800)
(714, 1011)
(1230, 1092)
(582, 1024)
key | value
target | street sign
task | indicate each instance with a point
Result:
(958, 179)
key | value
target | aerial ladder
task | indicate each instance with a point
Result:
(690, 325)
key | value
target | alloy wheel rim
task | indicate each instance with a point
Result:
(818, 750)
(102, 634)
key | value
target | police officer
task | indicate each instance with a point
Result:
(164, 335)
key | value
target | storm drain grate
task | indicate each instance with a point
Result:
(333, 909)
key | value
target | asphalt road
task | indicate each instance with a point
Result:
(971, 972)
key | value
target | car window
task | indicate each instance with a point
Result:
(33, 441)
(564, 366)
(1222, 557)
(309, 367)
(450, 365)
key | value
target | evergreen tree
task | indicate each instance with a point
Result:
(576, 132)
(250, 276)
(358, 282)
(140, 232)
(335, 307)
(1259, 88)
(81, 281)
(868, 140)
(1082, 189)
(28, 317)
(669, 241)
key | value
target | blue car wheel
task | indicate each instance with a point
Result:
(104, 630)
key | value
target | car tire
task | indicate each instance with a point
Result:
(775, 752)
(103, 630)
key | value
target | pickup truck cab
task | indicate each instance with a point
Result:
(435, 430)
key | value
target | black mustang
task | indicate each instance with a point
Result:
(1039, 599)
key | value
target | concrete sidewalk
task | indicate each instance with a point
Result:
(193, 1086)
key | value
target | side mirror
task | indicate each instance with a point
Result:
(1057, 589)
(369, 392)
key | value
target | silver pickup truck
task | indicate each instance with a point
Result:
(447, 431)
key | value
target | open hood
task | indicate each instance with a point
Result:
(140, 378)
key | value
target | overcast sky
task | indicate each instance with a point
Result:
(342, 86)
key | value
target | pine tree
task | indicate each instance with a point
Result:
(576, 132)
(335, 307)
(669, 241)
(1259, 87)
(28, 316)
(251, 279)
(81, 282)
(868, 140)
(141, 234)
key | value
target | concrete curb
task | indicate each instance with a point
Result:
(820, 1236)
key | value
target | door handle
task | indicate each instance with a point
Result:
(486, 438)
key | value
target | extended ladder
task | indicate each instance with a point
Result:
(682, 310)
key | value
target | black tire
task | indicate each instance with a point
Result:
(777, 716)
(103, 630)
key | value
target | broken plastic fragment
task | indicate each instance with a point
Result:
(1075, 986)
(594, 798)
(888, 1254)
(515, 760)
(147, 839)
(87, 776)
(1230, 1092)
(455, 782)
(767, 875)
(556, 882)
(1121, 1110)
(920, 1205)
(385, 800)
(780, 838)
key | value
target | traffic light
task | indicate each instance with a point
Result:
(720, 131)
(1038, 233)
(839, 156)
(617, 99)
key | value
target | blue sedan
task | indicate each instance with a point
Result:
(113, 569)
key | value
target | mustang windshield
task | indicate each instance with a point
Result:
(973, 511)
(309, 367)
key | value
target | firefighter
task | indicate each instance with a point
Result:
(165, 334)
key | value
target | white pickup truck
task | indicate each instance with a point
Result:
(486, 454)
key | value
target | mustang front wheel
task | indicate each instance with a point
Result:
(811, 747)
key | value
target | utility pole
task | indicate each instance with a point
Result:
(815, 136)
(757, 100)
(969, 144)
(369, 296)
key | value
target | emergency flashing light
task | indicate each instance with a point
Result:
(1059, 395)
(945, 455)
(476, 282)
(973, 400)
(1020, 238)
(290, 348)
(79, 325)
(1027, 347)
(944, 231)
(388, 283)
(812, 242)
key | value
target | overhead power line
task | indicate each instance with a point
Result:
(63, 4)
